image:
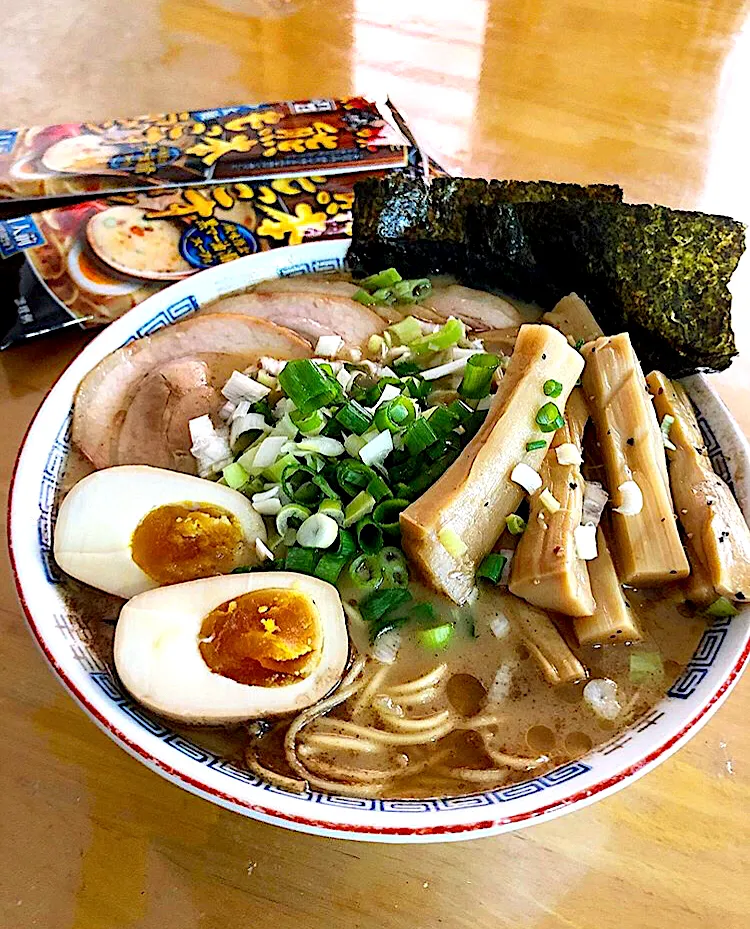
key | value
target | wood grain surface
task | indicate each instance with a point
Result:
(649, 93)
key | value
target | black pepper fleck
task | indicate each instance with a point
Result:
(544, 356)
(673, 571)
(740, 596)
(631, 441)
(572, 485)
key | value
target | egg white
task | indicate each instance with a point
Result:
(158, 658)
(97, 519)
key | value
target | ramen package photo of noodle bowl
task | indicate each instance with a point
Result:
(88, 263)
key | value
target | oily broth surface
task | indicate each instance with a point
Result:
(536, 716)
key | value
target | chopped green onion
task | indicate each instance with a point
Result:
(243, 569)
(366, 572)
(548, 418)
(303, 484)
(317, 531)
(423, 613)
(291, 513)
(429, 475)
(308, 425)
(378, 488)
(395, 570)
(354, 445)
(361, 505)
(308, 385)
(404, 368)
(419, 436)
(436, 638)
(666, 425)
(579, 344)
(354, 417)
(452, 542)
(533, 446)
(382, 279)
(384, 296)
(395, 414)
(418, 387)
(347, 545)
(515, 524)
(369, 536)
(235, 475)
(645, 667)
(333, 509)
(361, 296)
(353, 476)
(407, 329)
(722, 608)
(275, 471)
(330, 567)
(445, 337)
(492, 567)
(552, 388)
(412, 291)
(477, 378)
(442, 421)
(379, 604)
(300, 559)
(386, 514)
(462, 411)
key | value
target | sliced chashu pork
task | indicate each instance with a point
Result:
(307, 283)
(311, 315)
(477, 308)
(221, 340)
(155, 428)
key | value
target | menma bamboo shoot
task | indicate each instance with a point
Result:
(475, 495)
(546, 569)
(709, 514)
(648, 547)
(613, 619)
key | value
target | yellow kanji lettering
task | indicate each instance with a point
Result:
(290, 186)
(194, 203)
(294, 225)
(210, 150)
(243, 191)
(223, 197)
(266, 195)
(254, 121)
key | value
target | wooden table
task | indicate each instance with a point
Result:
(651, 94)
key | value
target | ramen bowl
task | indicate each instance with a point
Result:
(72, 648)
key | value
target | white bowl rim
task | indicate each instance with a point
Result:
(344, 818)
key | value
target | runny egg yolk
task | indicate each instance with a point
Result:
(182, 542)
(265, 637)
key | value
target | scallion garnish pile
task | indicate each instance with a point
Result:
(331, 449)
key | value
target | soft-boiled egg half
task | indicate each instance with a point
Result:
(132, 528)
(224, 650)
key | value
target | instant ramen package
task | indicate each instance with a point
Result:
(287, 176)
(200, 146)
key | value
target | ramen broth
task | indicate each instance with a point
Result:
(536, 718)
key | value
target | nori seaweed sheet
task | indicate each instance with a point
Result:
(425, 227)
(660, 274)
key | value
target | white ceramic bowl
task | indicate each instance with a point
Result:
(69, 646)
